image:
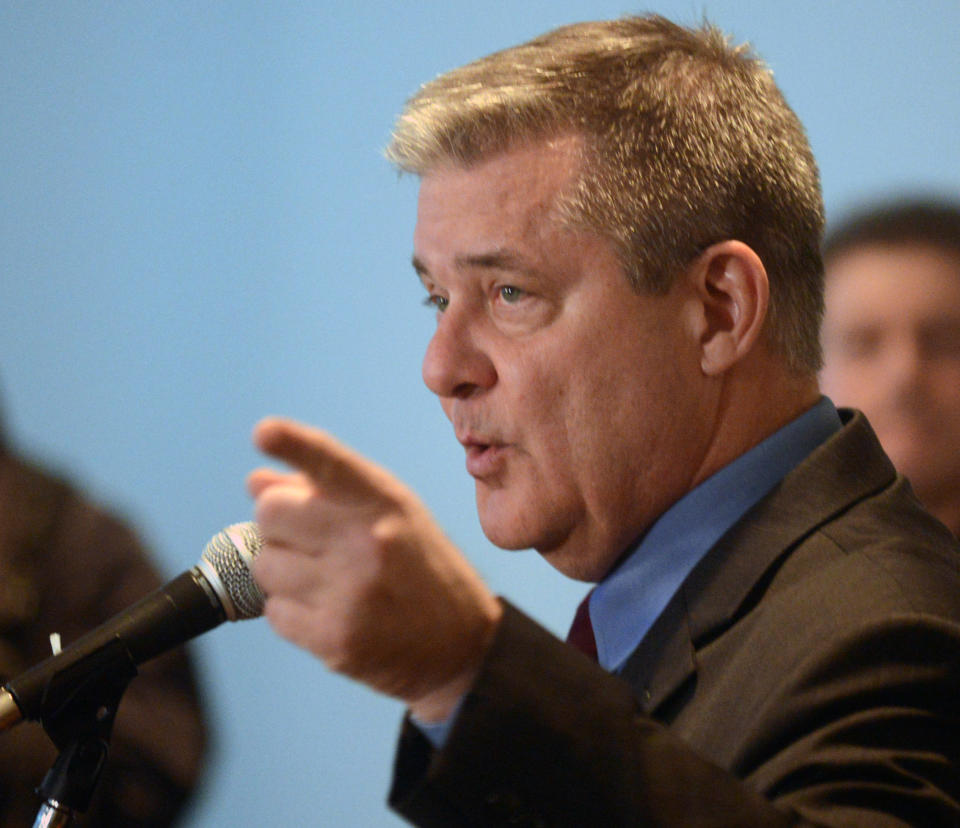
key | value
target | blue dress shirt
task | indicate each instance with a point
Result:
(624, 605)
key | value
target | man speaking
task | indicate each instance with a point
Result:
(619, 228)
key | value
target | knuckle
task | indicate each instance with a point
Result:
(287, 620)
(263, 569)
(279, 504)
(381, 551)
(387, 530)
(277, 613)
(269, 507)
(339, 642)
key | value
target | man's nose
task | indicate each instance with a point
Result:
(456, 363)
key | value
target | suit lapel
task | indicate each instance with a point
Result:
(731, 577)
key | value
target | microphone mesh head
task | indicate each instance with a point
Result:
(229, 554)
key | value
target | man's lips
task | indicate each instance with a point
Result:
(483, 458)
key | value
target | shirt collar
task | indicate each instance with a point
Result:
(625, 604)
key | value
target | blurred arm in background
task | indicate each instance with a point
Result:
(66, 565)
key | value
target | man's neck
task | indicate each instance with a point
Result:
(752, 406)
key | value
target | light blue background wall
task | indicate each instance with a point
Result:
(198, 229)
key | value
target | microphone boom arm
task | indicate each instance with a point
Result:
(167, 617)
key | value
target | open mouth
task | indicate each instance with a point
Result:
(483, 458)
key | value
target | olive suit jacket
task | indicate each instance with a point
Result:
(807, 672)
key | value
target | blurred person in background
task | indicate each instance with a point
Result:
(66, 566)
(891, 337)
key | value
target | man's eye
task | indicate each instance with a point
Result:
(510, 294)
(437, 302)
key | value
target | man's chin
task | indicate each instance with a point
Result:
(509, 541)
(561, 556)
(573, 565)
(504, 522)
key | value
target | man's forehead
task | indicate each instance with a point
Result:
(556, 157)
(503, 193)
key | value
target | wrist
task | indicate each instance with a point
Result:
(440, 703)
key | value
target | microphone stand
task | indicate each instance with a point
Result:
(78, 715)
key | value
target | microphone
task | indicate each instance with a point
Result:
(219, 588)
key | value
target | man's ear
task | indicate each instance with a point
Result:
(733, 294)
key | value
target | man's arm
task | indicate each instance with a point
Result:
(546, 737)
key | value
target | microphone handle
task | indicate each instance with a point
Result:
(167, 617)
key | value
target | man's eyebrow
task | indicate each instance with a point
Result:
(494, 260)
(505, 260)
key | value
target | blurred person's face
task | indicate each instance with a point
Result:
(891, 340)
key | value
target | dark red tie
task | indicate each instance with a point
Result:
(581, 630)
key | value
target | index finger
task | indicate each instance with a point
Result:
(337, 469)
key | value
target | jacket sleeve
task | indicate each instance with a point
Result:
(548, 738)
